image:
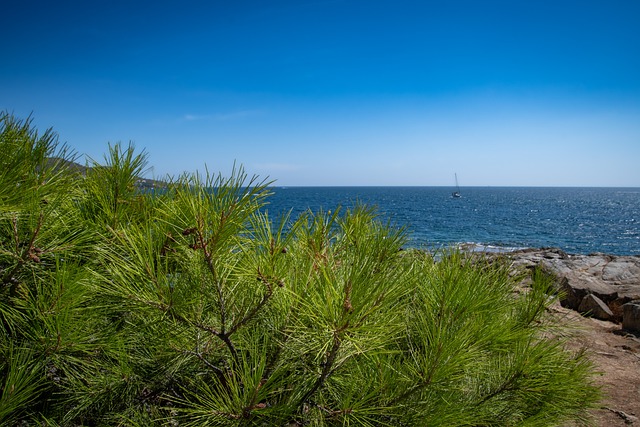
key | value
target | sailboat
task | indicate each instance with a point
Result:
(456, 194)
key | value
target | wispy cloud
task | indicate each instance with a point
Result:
(221, 117)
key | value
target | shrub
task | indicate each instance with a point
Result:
(192, 307)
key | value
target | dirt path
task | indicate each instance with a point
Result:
(616, 356)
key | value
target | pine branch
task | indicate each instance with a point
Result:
(327, 369)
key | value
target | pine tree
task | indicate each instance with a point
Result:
(191, 306)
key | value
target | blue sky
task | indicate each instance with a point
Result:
(342, 92)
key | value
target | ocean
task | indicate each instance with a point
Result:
(576, 220)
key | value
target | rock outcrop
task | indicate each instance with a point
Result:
(598, 284)
(631, 316)
(601, 287)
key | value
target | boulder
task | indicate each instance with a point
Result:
(599, 278)
(593, 306)
(631, 316)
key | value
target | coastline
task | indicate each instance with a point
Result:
(597, 308)
(597, 284)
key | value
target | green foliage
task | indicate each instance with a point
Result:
(191, 307)
(111, 188)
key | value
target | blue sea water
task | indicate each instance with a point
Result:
(577, 220)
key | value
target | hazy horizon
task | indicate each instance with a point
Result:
(339, 92)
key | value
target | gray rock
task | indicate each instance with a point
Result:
(614, 280)
(631, 316)
(593, 306)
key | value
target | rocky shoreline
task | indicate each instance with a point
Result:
(603, 286)
(601, 305)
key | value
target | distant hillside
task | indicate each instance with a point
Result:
(141, 183)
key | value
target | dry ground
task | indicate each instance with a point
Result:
(616, 356)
